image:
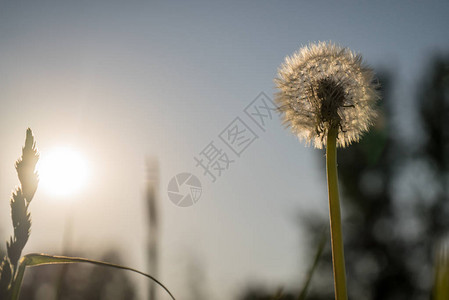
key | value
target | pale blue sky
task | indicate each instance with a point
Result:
(122, 80)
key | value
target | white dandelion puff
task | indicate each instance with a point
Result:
(323, 85)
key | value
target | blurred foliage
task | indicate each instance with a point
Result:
(78, 281)
(260, 293)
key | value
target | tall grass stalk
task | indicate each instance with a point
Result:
(13, 265)
(21, 219)
(152, 185)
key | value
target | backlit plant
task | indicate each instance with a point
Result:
(13, 265)
(327, 96)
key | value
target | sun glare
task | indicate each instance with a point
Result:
(62, 171)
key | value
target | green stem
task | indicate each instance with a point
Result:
(338, 258)
(17, 282)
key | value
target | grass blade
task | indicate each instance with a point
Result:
(441, 284)
(318, 253)
(17, 283)
(36, 259)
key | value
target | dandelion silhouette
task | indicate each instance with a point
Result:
(327, 96)
(323, 86)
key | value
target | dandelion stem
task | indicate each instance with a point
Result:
(338, 258)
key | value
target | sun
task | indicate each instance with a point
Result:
(62, 171)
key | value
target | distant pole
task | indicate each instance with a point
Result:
(152, 195)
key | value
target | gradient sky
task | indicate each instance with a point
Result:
(119, 81)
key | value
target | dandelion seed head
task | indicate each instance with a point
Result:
(322, 86)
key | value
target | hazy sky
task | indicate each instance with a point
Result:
(118, 81)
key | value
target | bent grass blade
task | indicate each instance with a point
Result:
(319, 252)
(36, 259)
